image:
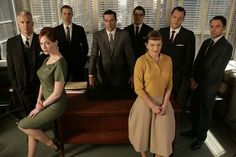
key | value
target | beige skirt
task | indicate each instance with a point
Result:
(147, 130)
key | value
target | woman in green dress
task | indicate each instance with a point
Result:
(52, 100)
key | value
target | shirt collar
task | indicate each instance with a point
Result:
(70, 26)
(112, 32)
(139, 26)
(176, 30)
(216, 39)
(24, 38)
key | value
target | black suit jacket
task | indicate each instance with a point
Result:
(74, 52)
(112, 67)
(209, 68)
(138, 42)
(16, 63)
(181, 51)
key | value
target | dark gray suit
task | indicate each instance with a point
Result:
(207, 71)
(112, 68)
(22, 65)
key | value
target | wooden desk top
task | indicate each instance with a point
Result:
(79, 103)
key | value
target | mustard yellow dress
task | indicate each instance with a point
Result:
(146, 130)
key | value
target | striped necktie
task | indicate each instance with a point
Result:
(27, 43)
(111, 41)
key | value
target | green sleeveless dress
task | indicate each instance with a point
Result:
(48, 75)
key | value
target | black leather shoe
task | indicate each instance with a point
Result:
(196, 145)
(234, 155)
(188, 134)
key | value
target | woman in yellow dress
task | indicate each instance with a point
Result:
(151, 119)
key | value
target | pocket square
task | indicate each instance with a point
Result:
(41, 52)
(179, 44)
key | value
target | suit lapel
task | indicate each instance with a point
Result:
(178, 36)
(62, 30)
(19, 48)
(117, 37)
(106, 41)
(214, 46)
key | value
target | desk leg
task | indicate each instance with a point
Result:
(62, 149)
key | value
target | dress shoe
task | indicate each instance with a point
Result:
(188, 134)
(196, 145)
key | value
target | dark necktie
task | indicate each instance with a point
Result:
(209, 46)
(172, 36)
(68, 34)
(111, 41)
(27, 43)
(136, 30)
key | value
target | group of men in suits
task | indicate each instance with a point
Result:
(113, 56)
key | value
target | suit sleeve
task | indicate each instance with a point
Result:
(94, 55)
(219, 64)
(84, 45)
(129, 53)
(198, 58)
(189, 56)
(10, 65)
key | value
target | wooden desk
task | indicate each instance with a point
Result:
(95, 122)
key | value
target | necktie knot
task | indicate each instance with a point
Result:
(172, 36)
(27, 43)
(137, 30)
(211, 43)
(68, 34)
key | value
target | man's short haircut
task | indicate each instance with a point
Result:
(181, 9)
(24, 13)
(139, 8)
(221, 18)
(66, 7)
(109, 12)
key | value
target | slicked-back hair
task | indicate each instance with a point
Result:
(139, 8)
(24, 13)
(109, 12)
(221, 18)
(181, 9)
(66, 7)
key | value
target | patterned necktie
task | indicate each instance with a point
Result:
(111, 41)
(136, 33)
(172, 36)
(27, 43)
(68, 34)
(209, 46)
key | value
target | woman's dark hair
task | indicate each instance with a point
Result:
(153, 35)
(49, 32)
